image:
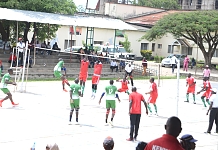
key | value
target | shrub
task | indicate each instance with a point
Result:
(156, 59)
(146, 54)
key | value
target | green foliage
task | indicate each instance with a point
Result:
(164, 4)
(126, 44)
(43, 31)
(198, 26)
(146, 53)
(158, 59)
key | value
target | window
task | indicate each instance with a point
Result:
(170, 48)
(98, 42)
(186, 50)
(189, 50)
(67, 43)
(144, 46)
(216, 4)
(199, 2)
(159, 46)
(153, 47)
(215, 53)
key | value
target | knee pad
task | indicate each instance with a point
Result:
(113, 112)
(108, 111)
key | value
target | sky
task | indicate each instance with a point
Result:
(91, 4)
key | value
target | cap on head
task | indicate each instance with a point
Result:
(188, 138)
(108, 142)
(76, 80)
(60, 59)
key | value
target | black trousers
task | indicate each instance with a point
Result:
(213, 116)
(173, 67)
(134, 124)
(130, 76)
(21, 58)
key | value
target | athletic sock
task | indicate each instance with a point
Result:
(203, 102)
(76, 119)
(149, 108)
(83, 87)
(112, 119)
(95, 91)
(208, 102)
(187, 97)
(194, 97)
(155, 107)
(106, 120)
(70, 117)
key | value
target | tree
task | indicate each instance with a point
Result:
(42, 31)
(198, 26)
(164, 4)
(126, 44)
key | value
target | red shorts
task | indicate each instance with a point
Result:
(152, 99)
(83, 78)
(191, 90)
(122, 90)
(207, 94)
(95, 79)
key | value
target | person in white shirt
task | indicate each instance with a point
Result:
(213, 111)
(114, 65)
(173, 62)
(129, 72)
(21, 48)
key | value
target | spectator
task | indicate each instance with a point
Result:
(129, 72)
(213, 111)
(43, 46)
(30, 61)
(173, 62)
(122, 65)
(185, 63)
(13, 59)
(113, 65)
(193, 63)
(108, 143)
(38, 46)
(141, 145)
(101, 58)
(49, 52)
(144, 65)
(188, 142)
(168, 140)
(55, 47)
(21, 48)
(135, 100)
(206, 72)
(106, 59)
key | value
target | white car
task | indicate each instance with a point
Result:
(166, 62)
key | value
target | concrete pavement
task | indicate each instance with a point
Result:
(43, 115)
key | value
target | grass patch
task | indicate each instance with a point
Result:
(135, 78)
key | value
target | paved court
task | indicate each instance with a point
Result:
(43, 114)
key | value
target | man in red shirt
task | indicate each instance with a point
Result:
(124, 85)
(135, 100)
(96, 77)
(169, 140)
(83, 73)
(153, 95)
(207, 88)
(190, 82)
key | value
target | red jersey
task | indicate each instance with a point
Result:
(207, 84)
(166, 142)
(190, 81)
(136, 98)
(153, 89)
(124, 84)
(97, 69)
(84, 67)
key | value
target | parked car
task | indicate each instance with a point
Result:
(166, 62)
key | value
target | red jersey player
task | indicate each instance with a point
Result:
(190, 82)
(207, 88)
(83, 73)
(153, 95)
(96, 77)
(124, 85)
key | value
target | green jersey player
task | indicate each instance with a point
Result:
(3, 86)
(111, 96)
(75, 93)
(58, 74)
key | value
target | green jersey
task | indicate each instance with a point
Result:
(111, 91)
(75, 88)
(59, 65)
(4, 78)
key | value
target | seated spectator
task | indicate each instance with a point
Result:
(49, 52)
(55, 47)
(169, 140)
(188, 142)
(30, 61)
(52, 147)
(141, 145)
(12, 59)
(108, 143)
(113, 66)
(122, 65)
(43, 46)
(38, 47)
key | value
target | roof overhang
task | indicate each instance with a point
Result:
(69, 20)
(181, 42)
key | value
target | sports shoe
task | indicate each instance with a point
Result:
(111, 123)
(70, 123)
(129, 139)
(135, 139)
(106, 124)
(208, 132)
(186, 101)
(14, 104)
(77, 123)
(156, 114)
(194, 102)
(65, 90)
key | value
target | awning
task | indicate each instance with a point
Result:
(51, 18)
(184, 42)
